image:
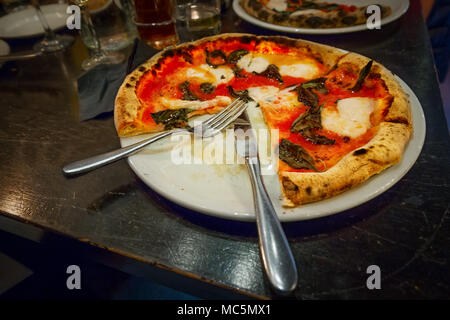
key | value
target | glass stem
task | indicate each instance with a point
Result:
(49, 34)
(87, 19)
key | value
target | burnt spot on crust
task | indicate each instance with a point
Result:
(360, 152)
(308, 190)
(398, 120)
(168, 53)
(346, 186)
(128, 85)
(186, 56)
(247, 39)
(290, 188)
(132, 78)
(377, 162)
(141, 69)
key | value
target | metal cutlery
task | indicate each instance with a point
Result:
(277, 256)
(207, 128)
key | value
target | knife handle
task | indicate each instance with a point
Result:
(276, 254)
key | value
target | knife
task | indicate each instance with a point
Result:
(277, 257)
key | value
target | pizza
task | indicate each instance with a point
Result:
(308, 14)
(341, 117)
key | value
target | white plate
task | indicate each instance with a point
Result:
(399, 7)
(25, 23)
(225, 191)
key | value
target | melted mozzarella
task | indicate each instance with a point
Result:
(299, 70)
(352, 117)
(314, 12)
(209, 74)
(249, 64)
(219, 101)
(220, 74)
(272, 95)
(279, 5)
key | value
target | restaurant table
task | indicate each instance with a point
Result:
(112, 214)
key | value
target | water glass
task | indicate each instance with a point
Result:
(197, 19)
(112, 23)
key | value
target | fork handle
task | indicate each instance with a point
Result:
(276, 254)
(85, 165)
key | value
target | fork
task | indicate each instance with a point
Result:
(206, 129)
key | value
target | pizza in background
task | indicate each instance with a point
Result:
(341, 117)
(308, 14)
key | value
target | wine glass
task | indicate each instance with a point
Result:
(51, 41)
(98, 56)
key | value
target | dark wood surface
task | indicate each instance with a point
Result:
(405, 231)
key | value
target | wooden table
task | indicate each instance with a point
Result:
(405, 231)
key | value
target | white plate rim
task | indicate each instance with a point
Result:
(57, 8)
(244, 15)
(334, 204)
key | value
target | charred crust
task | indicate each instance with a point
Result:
(186, 56)
(360, 152)
(142, 69)
(246, 39)
(399, 120)
(128, 85)
(132, 78)
(308, 190)
(289, 185)
(168, 53)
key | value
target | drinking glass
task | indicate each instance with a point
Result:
(197, 19)
(98, 55)
(51, 41)
(155, 22)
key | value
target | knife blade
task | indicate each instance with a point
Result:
(276, 254)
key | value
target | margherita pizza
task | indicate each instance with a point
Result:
(308, 14)
(341, 117)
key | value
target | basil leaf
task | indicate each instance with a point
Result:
(317, 84)
(295, 155)
(172, 118)
(215, 55)
(239, 94)
(207, 87)
(362, 76)
(308, 120)
(187, 93)
(271, 72)
(307, 97)
(316, 138)
(234, 56)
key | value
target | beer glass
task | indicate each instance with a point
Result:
(155, 22)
